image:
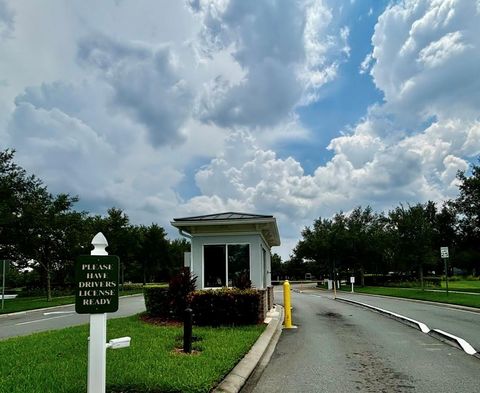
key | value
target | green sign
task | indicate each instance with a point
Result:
(96, 279)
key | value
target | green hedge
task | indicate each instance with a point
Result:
(226, 306)
(157, 301)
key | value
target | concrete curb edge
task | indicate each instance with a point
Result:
(408, 321)
(235, 380)
(453, 340)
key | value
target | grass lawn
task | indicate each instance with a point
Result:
(452, 298)
(31, 303)
(56, 361)
(463, 285)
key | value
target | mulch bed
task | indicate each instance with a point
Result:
(160, 321)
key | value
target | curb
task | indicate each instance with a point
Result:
(407, 321)
(458, 342)
(235, 380)
(49, 308)
(441, 335)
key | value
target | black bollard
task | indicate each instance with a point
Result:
(187, 331)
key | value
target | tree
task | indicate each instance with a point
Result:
(37, 229)
(277, 267)
(53, 239)
(123, 241)
(176, 250)
(414, 229)
(467, 206)
(315, 246)
(17, 191)
(154, 257)
(364, 245)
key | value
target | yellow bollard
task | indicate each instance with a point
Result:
(287, 305)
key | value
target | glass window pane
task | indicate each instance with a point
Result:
(214, 265)
(238, 264)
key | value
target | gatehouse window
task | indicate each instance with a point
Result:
(225, 264)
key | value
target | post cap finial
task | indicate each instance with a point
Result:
(99, 240)
(99, 244)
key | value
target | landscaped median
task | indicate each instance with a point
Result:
(463, 299)
(56, 361)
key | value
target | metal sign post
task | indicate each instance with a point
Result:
(352, 281)
(3, 285)
(444, 255)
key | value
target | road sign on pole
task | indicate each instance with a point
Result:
(444, 256)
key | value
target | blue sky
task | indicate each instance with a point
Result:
(298, 108)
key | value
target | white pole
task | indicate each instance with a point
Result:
(98, 334)
(352, 287)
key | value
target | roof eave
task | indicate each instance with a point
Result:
(184, 225)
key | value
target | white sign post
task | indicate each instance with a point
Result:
(98, 334)
(352, 281)
(97, 345)
(444, 256)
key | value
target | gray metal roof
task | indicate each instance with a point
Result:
(224, 216)
(231, 221)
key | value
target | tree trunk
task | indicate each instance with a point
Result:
(362, 277)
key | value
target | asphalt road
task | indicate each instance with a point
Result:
(344, 348)
(33, 321)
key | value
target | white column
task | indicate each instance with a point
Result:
(98, 334)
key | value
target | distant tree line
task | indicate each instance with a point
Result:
(405, 241)
(41, 235)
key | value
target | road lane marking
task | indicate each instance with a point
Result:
(58, 312)
(41, 320)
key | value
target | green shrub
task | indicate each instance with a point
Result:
(433, 281)
(170, 302)
(179, 288)
(226, 306)
(454, 278)
(157, 301)
(39, 292)
(132, 286)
